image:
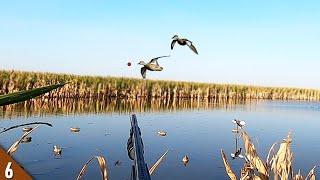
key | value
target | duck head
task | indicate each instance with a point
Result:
(175, 37)
(142, 63)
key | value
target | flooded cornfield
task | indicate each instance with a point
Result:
(198, 129)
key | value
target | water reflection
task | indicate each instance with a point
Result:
(40, 107)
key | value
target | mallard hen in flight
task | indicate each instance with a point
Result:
(153, 65)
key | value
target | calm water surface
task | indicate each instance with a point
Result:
(199, 132)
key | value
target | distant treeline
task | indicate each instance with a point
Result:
(98, 87)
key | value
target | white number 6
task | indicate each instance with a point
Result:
(9, 172)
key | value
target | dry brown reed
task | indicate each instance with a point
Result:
(102, 165)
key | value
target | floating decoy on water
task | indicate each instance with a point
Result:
(118, 163)
(183, 42)
(162, 133)
(237, 154)
(153, 65)
(57, 150)
(26, 139)
(239, 123)
(74, 129)
(185, 160)
(27, 129)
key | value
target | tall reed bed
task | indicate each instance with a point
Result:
(105, 87)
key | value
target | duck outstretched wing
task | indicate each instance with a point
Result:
(191, 46)
(144, 72)
(173, 43)
(155, 59)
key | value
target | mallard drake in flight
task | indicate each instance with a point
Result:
(183, 42)
(153, 65)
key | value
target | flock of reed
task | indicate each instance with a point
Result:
(105, 87)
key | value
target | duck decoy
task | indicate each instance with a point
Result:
(239, 123)
(57, 150)
(27, 129)
(153, 65)
(74, 129)
(183, 42)
(162, 133)
(118, 163)
(26, 139)
(237, 154)
(185, 160)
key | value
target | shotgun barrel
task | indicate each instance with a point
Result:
(135, 152)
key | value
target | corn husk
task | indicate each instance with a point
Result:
(102, 164)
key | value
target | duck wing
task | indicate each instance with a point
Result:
(191, 46)
(155, 59)
(144, 72)
(173, 43)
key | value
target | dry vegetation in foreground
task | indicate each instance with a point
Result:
(277, 165)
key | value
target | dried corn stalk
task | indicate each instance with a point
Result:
(253, 157)
(282, 161)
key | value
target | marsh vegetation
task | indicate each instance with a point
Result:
(97, 87)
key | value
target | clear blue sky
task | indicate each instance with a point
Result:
(258, 42)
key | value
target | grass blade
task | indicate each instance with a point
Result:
(156, 165)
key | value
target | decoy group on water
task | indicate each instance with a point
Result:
(153, 65)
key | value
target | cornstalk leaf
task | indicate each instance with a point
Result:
(255, 160)
(282, 161)
(230, 173)
(26, 124)
(311, 174)
(156, 165)
(26, 94)
(102, 165)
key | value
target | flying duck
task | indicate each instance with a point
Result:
(153, 65)
(183, 42)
